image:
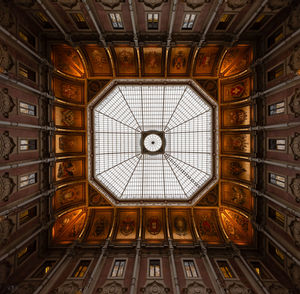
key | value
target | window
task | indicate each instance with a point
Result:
(225, 269)
(276, 253)
(276, 216)
(80, 21)
(43, 20)
(28, 180)
(28, 109)
(28, 144)
(277, 144)
(27, 73)
(260, 270)
(154, 268)
(26, 215)
(188, 22)
(275, 73)
(27, 37)
(44, 269)
(118, 268)
(275, 37)
(25, 252)
(81, 269)
(190, 269)
(276, 108)
(152, 21)
(116, 20)
(260, 21)
(277, 180)
(224, 22)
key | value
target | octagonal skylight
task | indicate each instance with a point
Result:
(153, 142)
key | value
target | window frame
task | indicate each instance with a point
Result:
(77, 264)
(146, 19)
(34, 241)
(196, 268)
(283, 226)
(72, 16)
(30, 104)
(273, 257)
(229, 24)
(19, 65)
(275, 185)
(27, 150)
(30, 218)
(235, 276)
(273, 68)
(267, 46)
(253, 22)
(194, 22)
(111, 21)
(280, 113)
(277, 139)
(29, 185)
(37, 19)
(112, 267)
(24, 31)
(265, 269)
(148, 268)
(40, 266)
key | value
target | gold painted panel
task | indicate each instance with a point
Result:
(237, 169)
(236, 143)
(180, 225)
(153, 224)
(67, 60)
(208, 226)
(68, 90)
(70, 195)
(236, 196)
(126, 61)
(127, 225)
(98, 60)
(68, 118)
(153, 61)
(179, 61)
(236, 117)
(69, 143)
(69, 169)
(100, 225)
(207, 60)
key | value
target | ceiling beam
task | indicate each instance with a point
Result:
(101, 38)
(48, 12)
(173, 13)
(211, 19)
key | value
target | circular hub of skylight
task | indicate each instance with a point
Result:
(153, 142)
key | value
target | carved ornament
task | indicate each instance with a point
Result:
(6, 187)
(6, 62)
(67, 288)
(295, 60)
(112, 288)
(294, 18)
(234, 4)
(294, 271)
(68, 3)
(197, 288)
(238, 289)
(154, 288)
(6, 103)
(153, 3)
(6, 18)
(295, 103)
(277, 289)
(295, 231)
(25, 3)
(110, 3)
(7, 145)
(277, 4)
(195, 3)
(295, 145)
(6, 227)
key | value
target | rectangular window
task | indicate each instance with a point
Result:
(260, 270)
(190, 269)
(27, 73)
(276, 253)
(28, 144)
(44, 269)
(25, 252)
(27, 37)
(276, 216)
(28, 180)
(154, 268)
(277, 180)
(277, 144)
(116, 21)
(78, 18)
(43, 20)
(225, 269)
(28, 109)
(81, 269)
(188, 22)
(224, 22)
(260, 21)
(152, 21)
(275, 37)
(26, 215)
(276, 108)
(275, 73)
(118, 268)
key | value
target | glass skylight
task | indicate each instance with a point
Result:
(153, 142)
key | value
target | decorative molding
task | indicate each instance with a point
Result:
(295, 231)
(277, 4)
(277, 289)
(196, 288)
(6, 103)
(234, 4)
(67, 288)
(25, 288)
(6, 61)
(295, 187)
(5, 270)
(6, 17)
(294, 272)
(6, 228)
(25, 3)
(7, 145)
(153, 3)
(112, 288)
(295, 145)
(6, 187)
(295, 103)
(195, 3)
(68, 3)
(111, 3)
(154, 288)
(293, 20)
(236, 288)
(294, 62)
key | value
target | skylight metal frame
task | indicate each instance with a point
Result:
(167, 118)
